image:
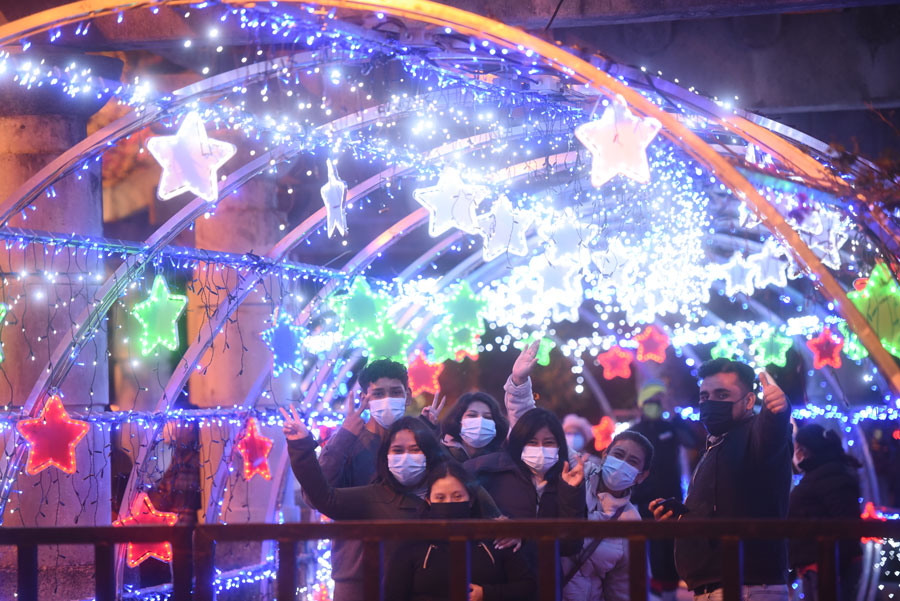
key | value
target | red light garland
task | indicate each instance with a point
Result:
(616, 363)
(143, 512)
(826, 349)
(52, 437)
(652, 345)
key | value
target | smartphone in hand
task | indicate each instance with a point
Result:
(677, 508)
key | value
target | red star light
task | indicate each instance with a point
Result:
(603, 432)
(463, 353)
(143, 512)
(423, 376)
(826, 349)
(652, 345)
(616, 363)
(52, 438)
(254, 448)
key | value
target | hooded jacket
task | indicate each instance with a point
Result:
(744, 474)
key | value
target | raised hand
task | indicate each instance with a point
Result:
(294, 428)
(574, 476)
(774, 398)
(353, 421)
(525, 362)
(433, 412)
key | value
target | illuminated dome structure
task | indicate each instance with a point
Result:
(395, 179)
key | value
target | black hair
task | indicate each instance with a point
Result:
(727, 366)
(434, 452)
(638, 439)
(382, 368)
(453, 420)
(525, 429)
(823, 445)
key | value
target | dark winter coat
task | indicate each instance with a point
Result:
(744, 474)
(664, 480)
(514, 492)
(827, 491)
(420, 572)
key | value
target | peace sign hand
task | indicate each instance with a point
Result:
(294, 428)
(525, 363)
(575, 476)
(433, 412)
(774, 398)
(353, 421)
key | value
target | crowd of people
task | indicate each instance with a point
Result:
(516, 460)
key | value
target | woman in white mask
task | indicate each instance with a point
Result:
(600, 571)
(531, 477)
(474, 426)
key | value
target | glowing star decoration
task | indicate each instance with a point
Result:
(286, 342)
(616, 363)
(361, 310)
(725, 348)
(543, 353)
(828, 237)
(158, 316)
(451, 203)
(603, 432)
(143, 513)
(504, 230)
(52, 437)
(334, 193)
(463, 309)
(254, 448)
(388, 342)
(652, 345)
(879, 302)
(560, 281)
(190, 160)
(423, 376)
(826, 349)
(853, 348)
(738, 274)
(768, 266)
(568, 239)
(4, 309)
(771, 348)
(448, 343)
(618, 144)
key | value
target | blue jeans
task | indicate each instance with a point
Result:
(757, 592)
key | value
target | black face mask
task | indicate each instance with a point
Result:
(716, 416)
(449, 511)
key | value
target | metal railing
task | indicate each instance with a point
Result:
(193, 560)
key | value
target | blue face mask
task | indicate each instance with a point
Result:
(575, 442)
(618, 475)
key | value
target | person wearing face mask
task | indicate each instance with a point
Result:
(579, 435)
(403, 459)
(532, 477)
(419, 571)
(829, 490)
(669, 437)
(744, 474)
(600, 571)
(474, 426)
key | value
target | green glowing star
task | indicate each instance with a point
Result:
(463, 309)
(853, 348)
(543, 353)
(879, 302)
(158, 316)
(447, 343)
(360, 311)
(771, 348)
(725, 348)
(389, 343)
(460, 327)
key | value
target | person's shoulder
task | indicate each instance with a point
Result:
(490, 462)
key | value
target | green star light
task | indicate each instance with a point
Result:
(158, 316)
(771, 348)
(360, 311)
(725, 348)
(543, 353)
(447, 342)
(390, 343)
(853, 348)
(879, 302)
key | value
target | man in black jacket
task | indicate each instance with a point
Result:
(745, 473)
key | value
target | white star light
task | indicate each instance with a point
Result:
(830, 238)
(738, 275)
(451, 203)
(618, 143)
(334, 193)
(190, 160)
(504, 230)
(769, 267)
(568, 239)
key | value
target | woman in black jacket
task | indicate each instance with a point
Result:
(420, 571)
(829, 490)
(531, 477)
(475, 426)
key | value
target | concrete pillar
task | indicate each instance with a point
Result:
(244, 222)
(45, 293)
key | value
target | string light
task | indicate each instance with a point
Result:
(52, 437)
(142, 512)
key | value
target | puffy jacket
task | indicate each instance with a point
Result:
(420, 572)
(744, 474)
(827, 491)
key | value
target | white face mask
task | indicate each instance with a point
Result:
(407, 468)
(540, 459)
(575, 442)
(387, 411)
(618, 475)
(477, 431)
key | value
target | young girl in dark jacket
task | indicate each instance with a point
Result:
(531, 477)
(475, 426)
(420, 571)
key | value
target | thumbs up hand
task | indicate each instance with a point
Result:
(773, 397)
